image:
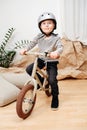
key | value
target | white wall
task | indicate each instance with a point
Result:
(23, 15)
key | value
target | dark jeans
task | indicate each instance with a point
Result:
(51, 71)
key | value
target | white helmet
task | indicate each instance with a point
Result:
(46, 16)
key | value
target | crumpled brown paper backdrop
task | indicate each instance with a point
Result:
(73, 61)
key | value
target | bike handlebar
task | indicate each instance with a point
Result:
(46, 54)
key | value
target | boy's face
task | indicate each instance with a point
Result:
(47, 26)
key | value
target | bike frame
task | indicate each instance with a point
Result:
(34, 78)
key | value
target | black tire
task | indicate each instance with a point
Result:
(48, 90)
(21, 100)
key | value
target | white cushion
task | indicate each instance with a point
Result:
(18, 79)
(8, 92)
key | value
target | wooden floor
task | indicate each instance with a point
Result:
(71, 115)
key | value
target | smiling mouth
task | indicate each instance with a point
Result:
(47, 29)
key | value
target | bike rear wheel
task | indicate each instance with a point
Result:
(25, 101)
(48, 90)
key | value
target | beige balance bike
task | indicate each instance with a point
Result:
(27, 96)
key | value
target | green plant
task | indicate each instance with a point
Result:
(21, 44)
(6, 57)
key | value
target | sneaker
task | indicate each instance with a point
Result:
(54, 103)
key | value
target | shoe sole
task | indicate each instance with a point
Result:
(54, 109)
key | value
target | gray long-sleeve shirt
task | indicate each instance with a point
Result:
(50, 44)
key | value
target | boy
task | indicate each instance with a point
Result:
(47, 42)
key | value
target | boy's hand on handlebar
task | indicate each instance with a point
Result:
(54, 55)
(23, 52)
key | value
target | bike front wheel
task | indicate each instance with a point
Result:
(25, 101)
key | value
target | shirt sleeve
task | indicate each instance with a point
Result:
(59, 46)
(32, 43)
